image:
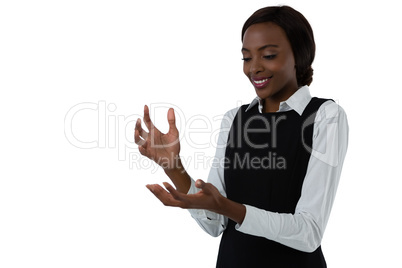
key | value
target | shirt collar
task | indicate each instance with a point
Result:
(298, 101)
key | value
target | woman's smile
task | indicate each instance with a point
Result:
(260, 82)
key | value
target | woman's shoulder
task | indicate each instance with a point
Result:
(331, 112)
(232, 112)
(331, 108)
(228, 117)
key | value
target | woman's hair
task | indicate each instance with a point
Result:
(298, 32)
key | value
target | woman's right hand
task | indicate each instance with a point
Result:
(162, 148)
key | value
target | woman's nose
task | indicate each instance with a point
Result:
(256, 67)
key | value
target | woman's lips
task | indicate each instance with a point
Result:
(260, 82)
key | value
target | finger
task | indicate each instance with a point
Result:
(154, 188)
(137, 138)
(138, 133)
(147, 120)
(172, 121)
(157, 190)
(143, 150)
(176, 194)
(200, 184)
(164, 196)
(141, 131)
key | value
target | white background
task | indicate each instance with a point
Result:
(64, 206)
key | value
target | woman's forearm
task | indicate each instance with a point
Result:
(180, 178)
(233, 210)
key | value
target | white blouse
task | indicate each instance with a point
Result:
(304, 229)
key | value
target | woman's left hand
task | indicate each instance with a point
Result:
(208, 198)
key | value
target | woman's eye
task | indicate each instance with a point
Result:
(269, 57)
(246, 59)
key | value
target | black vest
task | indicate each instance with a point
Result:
(266, 162)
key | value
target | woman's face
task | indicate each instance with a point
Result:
(269, 62)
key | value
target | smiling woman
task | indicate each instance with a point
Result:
(270, 215)
(269, 63)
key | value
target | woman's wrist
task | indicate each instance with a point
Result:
(231, 209)
(174, 168)
(179, 176)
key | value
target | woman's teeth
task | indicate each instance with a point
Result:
(260, 81)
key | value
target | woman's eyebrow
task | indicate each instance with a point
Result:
(261, 48)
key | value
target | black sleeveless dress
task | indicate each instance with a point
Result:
(266, 161)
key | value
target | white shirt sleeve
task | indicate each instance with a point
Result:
(304, 229)
(211, 222)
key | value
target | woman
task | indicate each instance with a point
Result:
(272, 192)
